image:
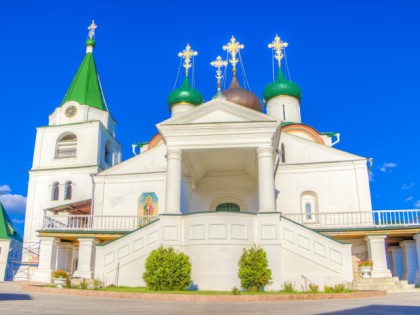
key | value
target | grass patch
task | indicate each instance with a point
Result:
(146, 290)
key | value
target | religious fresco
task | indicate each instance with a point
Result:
(148, 205)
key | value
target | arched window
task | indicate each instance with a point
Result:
(66, 146)
(55, 191)
(228, 206)
(68, 190)
(108, 153)
(283, 153)
(309, 204)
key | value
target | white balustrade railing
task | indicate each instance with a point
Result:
(95, 222)
(375, 218)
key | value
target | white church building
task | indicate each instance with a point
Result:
(219, 176)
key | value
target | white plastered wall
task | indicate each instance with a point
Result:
(339, 179)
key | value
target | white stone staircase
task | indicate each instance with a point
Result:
(390, 285)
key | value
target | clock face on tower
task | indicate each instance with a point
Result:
(71, 111)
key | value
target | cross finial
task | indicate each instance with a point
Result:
(218, 64)
(233, 47)
(91, 29)
(187, 54)
(278, 46)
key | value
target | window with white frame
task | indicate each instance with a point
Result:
(66, 146)
(309, 206)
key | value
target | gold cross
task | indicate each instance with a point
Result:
(218, 64)
(187, 54)
(278, 46)
(91, 29)
(233, 47)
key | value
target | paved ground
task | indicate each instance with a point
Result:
(13, 301)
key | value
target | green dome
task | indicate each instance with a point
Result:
(281, 86)
(90, 42)
(185, 94)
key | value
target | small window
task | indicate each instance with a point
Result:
(108, 153)
(68, 190)
(55, 191)
(309, 207)
(228, 206)
(308, 211)
(283, 154)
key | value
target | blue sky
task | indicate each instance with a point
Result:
(357, 63)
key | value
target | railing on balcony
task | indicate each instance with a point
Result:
(66, 152)
(95, 222)
(367, 219)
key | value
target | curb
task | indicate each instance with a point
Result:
(204, 298)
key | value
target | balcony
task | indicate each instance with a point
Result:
(337, 220)
(349, 220)
(95, 223)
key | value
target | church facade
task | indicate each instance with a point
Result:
(220, 176)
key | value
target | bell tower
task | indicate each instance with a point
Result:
(78, 142)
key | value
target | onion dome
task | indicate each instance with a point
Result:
(281, 86)
(185, 94)
(236, 94)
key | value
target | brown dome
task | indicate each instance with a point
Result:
(236, 94)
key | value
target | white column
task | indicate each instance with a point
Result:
(173, 181)
(47, 259)
(397, 261)
(86, 264)
(64, 256)
(417, 277)
(266, 179)
(410, 260)
(377, 253)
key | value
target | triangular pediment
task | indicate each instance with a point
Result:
(218, 111)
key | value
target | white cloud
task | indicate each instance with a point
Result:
(417, 204)
(371, 179)
(407, 186)
(386, 166)
(13, 203)
(18, 221)
(409, 198)
(5, 189)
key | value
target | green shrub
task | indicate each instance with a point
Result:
(236, 291)
(59, 274)
(328, 289)
(253, 269)
(339, 288)
(288, 287)
(83, 284)
(314, 288)
(167, 270)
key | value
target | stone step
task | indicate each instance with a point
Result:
(391, 285)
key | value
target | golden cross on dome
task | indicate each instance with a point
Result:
(91, 29)
(278, 46)
(233, 47)
(187, 54)
(218, 64)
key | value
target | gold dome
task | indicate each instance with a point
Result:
(236, 94)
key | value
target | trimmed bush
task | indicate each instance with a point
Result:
(253, 269)
(167, 270)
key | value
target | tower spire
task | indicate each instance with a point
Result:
(219, 64)
(278, 46)
(187, 54)
(233, 48)
(90, 43)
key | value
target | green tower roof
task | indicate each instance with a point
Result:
(86, 88)
(7, 231)
(185, 94)
(281, 86)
